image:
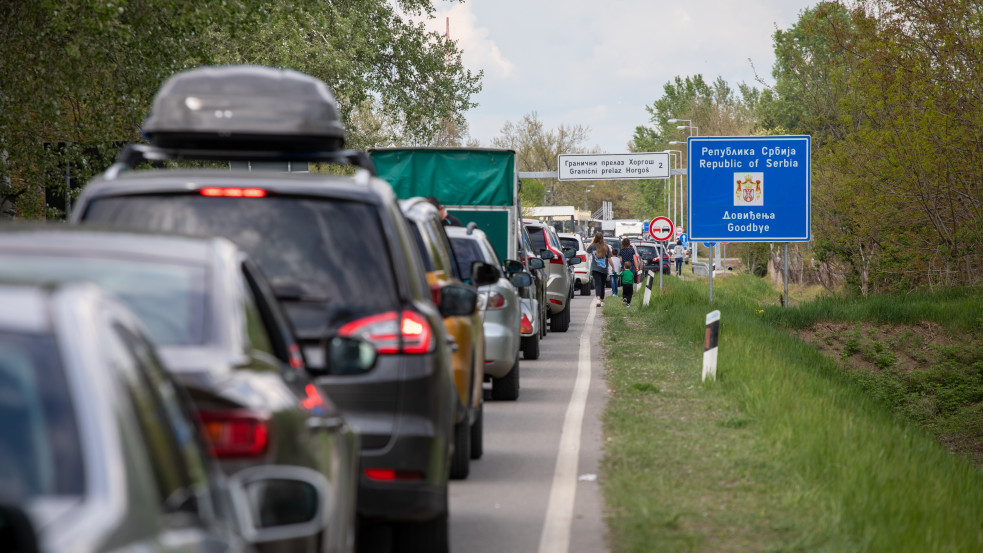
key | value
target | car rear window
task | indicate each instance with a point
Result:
(169, 298)
(570, 243)
(466, 252)
(322, 246)
(40, 449)
(647, 252)
(537, 237)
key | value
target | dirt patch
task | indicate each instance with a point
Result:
(932, 377)
(881, 347)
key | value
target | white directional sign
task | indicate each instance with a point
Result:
(652, 165)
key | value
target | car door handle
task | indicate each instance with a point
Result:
(325, 423)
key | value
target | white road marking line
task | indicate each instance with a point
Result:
(559, 511)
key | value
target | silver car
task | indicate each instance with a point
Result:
(559, 284)
(501, 310)
(99, 448)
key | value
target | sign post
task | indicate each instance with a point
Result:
(749, 189)
(711, 246)
(661, 229)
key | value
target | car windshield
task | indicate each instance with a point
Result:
(169, 298)
(333, 251)
(570, 243)
(467, 252)
(40, 451)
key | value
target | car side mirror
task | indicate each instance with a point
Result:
(483, 273)
(457, 300)
(521, 279)
(573, 261)
(17, 531)
(279, 502)
(512, 266)
(346, 355)
(569, 252)
(535, 263)
(546, 254)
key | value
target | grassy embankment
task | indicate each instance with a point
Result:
(787, 451)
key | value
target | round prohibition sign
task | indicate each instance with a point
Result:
(661, 228)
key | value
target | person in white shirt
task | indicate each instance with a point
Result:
(615, 272)
(679, 252)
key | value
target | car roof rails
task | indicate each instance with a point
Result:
(133, 154)
(243, 113)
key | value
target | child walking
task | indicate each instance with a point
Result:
(615, 271)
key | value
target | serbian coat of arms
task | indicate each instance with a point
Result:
(749, 189)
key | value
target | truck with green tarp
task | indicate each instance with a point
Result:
(474, 184)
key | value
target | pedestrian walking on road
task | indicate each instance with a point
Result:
(679, 252)
(615, 271)
(629, 262)
(599, 267)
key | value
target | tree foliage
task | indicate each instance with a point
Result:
(83, 74)
(537, 148)
(891, 93)
(716, 109)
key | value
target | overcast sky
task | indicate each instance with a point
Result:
(600, 63)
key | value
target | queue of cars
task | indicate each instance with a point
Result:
(280, 361)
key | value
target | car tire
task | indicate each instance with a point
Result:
(585, 288)
(478, 433)
(461, 458)
(560, 322)
(506, 388)
(427, 536)
(530, 347)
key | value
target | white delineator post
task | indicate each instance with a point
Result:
(710, 346)
(647, 296)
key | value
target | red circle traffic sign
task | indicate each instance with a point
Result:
(661, 228)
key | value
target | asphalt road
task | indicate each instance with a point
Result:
(527, 494)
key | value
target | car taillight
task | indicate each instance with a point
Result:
(558, 258)
(237, 433)
(391, 475)
(583, 258)
(214, 191)
(393, 332)
(525, 327)
(494, 300)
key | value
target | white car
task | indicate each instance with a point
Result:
(581, 271)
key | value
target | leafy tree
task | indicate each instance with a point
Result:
(82, 74)
(537, 149)
(890, 93)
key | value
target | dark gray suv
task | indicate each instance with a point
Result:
(340, 257)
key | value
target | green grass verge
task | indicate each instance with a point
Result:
(784, 452)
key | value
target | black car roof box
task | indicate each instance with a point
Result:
(245, 107)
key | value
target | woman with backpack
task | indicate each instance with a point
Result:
(629, 269)
(599, 266)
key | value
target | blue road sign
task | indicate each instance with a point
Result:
(709, 244)
(684, 238)
(645, 227)
(749, 188)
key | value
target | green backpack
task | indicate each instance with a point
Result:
(627, 277)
